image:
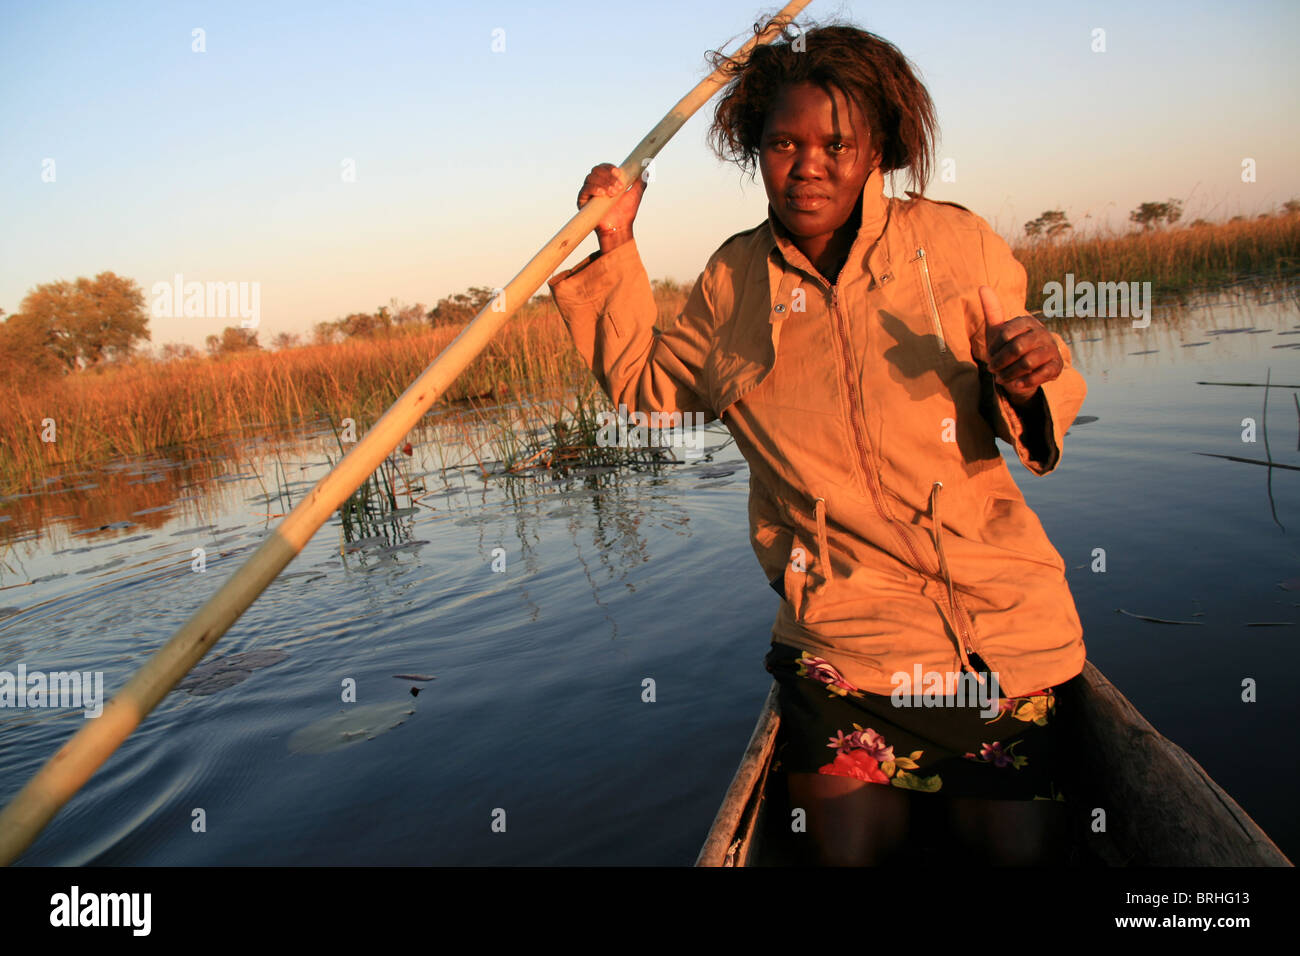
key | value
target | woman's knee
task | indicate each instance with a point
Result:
(850, 822)
(1011, 832)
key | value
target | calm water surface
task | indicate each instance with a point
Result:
(611, 579)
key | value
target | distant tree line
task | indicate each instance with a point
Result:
(67, 327)
(1148, 216)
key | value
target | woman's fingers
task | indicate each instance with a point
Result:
(603, 180)
(610, 181)
(1036, 367)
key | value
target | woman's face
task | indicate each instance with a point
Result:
(815, 156)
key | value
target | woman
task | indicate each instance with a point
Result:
(865, 351)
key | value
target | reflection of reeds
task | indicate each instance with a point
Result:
(371, 510)
(561, 434)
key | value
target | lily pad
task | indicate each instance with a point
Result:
(253, 660)
(229, 670)
(220, 681)
(349, 726)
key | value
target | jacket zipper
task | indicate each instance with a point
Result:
(862, 452)
(857, 428)
(929, 294)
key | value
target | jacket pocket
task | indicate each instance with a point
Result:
(929, 302)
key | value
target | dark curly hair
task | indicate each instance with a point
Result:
(864, 67)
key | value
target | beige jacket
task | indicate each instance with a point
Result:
(858, 406)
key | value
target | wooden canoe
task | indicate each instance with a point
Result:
(1161, 807)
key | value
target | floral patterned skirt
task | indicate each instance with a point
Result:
(999, 749)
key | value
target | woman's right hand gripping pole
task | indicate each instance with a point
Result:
(615, 227)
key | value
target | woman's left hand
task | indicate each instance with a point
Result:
(1021, 353)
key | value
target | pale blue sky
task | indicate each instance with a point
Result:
(225, 165)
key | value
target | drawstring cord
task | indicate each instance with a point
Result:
(937, 534)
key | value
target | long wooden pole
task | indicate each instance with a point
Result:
(74, 763)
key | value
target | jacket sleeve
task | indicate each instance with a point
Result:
(1058, 400)
(609, 307)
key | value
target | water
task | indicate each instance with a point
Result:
(536, 710)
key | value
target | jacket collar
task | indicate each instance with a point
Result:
(873, 249)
